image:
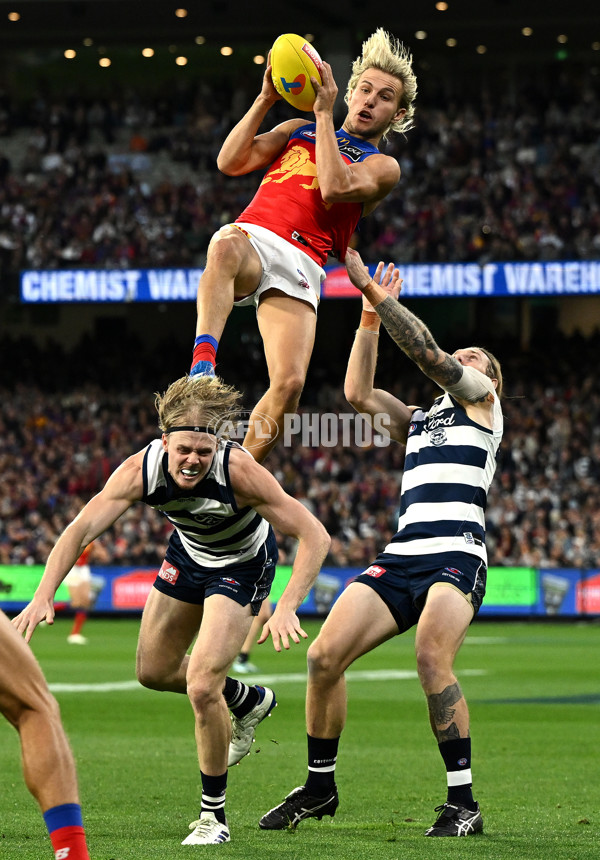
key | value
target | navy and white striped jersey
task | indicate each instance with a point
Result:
(449, 465)
(213, 530)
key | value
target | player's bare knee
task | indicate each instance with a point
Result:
(226, 251)
(429, 665)
(43, 706)
(203, 694)
(154, 677)
(321, 665)
(288, 388)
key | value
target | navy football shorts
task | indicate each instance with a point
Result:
(248, 582)
(402, 581)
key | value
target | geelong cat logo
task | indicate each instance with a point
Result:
(438, 437)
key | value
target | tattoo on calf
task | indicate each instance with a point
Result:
(440, 705)
(449, 734)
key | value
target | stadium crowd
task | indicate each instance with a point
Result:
(130, 178)
(58, 444)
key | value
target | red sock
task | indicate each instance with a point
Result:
(205, 349)
(69, 843)
(80, 619)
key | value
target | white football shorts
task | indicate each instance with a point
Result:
(285, 268)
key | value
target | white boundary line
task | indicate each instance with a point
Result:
(283, 678)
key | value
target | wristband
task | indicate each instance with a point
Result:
(367, 318)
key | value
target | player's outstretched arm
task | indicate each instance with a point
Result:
(375, 403)
(407, 330)
(123, 489)
(253, 485)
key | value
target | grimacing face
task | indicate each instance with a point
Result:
(190, 456)
(473, 357)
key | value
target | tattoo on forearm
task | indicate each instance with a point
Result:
(448, 371)
(414, 338)
(440, 704)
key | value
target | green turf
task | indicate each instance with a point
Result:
(535, 713)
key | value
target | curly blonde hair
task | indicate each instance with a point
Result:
(384, 52)
(205, 401)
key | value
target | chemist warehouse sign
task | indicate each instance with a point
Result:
(564, 278)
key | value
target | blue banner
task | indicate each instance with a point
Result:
(435, 280)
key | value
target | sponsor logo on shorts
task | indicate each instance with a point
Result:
(375, 571)
(168, 572)
(230, 580)
(451, 573)
(303, 282)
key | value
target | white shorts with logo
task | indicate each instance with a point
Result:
(285, 268)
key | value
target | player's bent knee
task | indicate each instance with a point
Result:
(202, 695)
(152, 678)
(44, 707)
(227, 249)
(321, 663)
(288, 388)
(432, 666)
(31, 697)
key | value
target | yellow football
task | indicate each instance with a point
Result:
(293, 62)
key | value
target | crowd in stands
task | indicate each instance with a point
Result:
(130, 178)
(59, 444)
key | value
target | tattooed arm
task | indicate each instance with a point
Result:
(359, 387)
(414, 338)
(464, 379)
(407, 330)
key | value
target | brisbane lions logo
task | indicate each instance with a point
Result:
(295, 162)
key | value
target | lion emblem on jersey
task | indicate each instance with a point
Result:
(295, 162)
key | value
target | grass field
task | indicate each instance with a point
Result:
(534, 695)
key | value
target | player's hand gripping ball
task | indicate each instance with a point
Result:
(293, 62)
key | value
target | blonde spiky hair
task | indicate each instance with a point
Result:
(384, 52)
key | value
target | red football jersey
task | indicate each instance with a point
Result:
(289, 203)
